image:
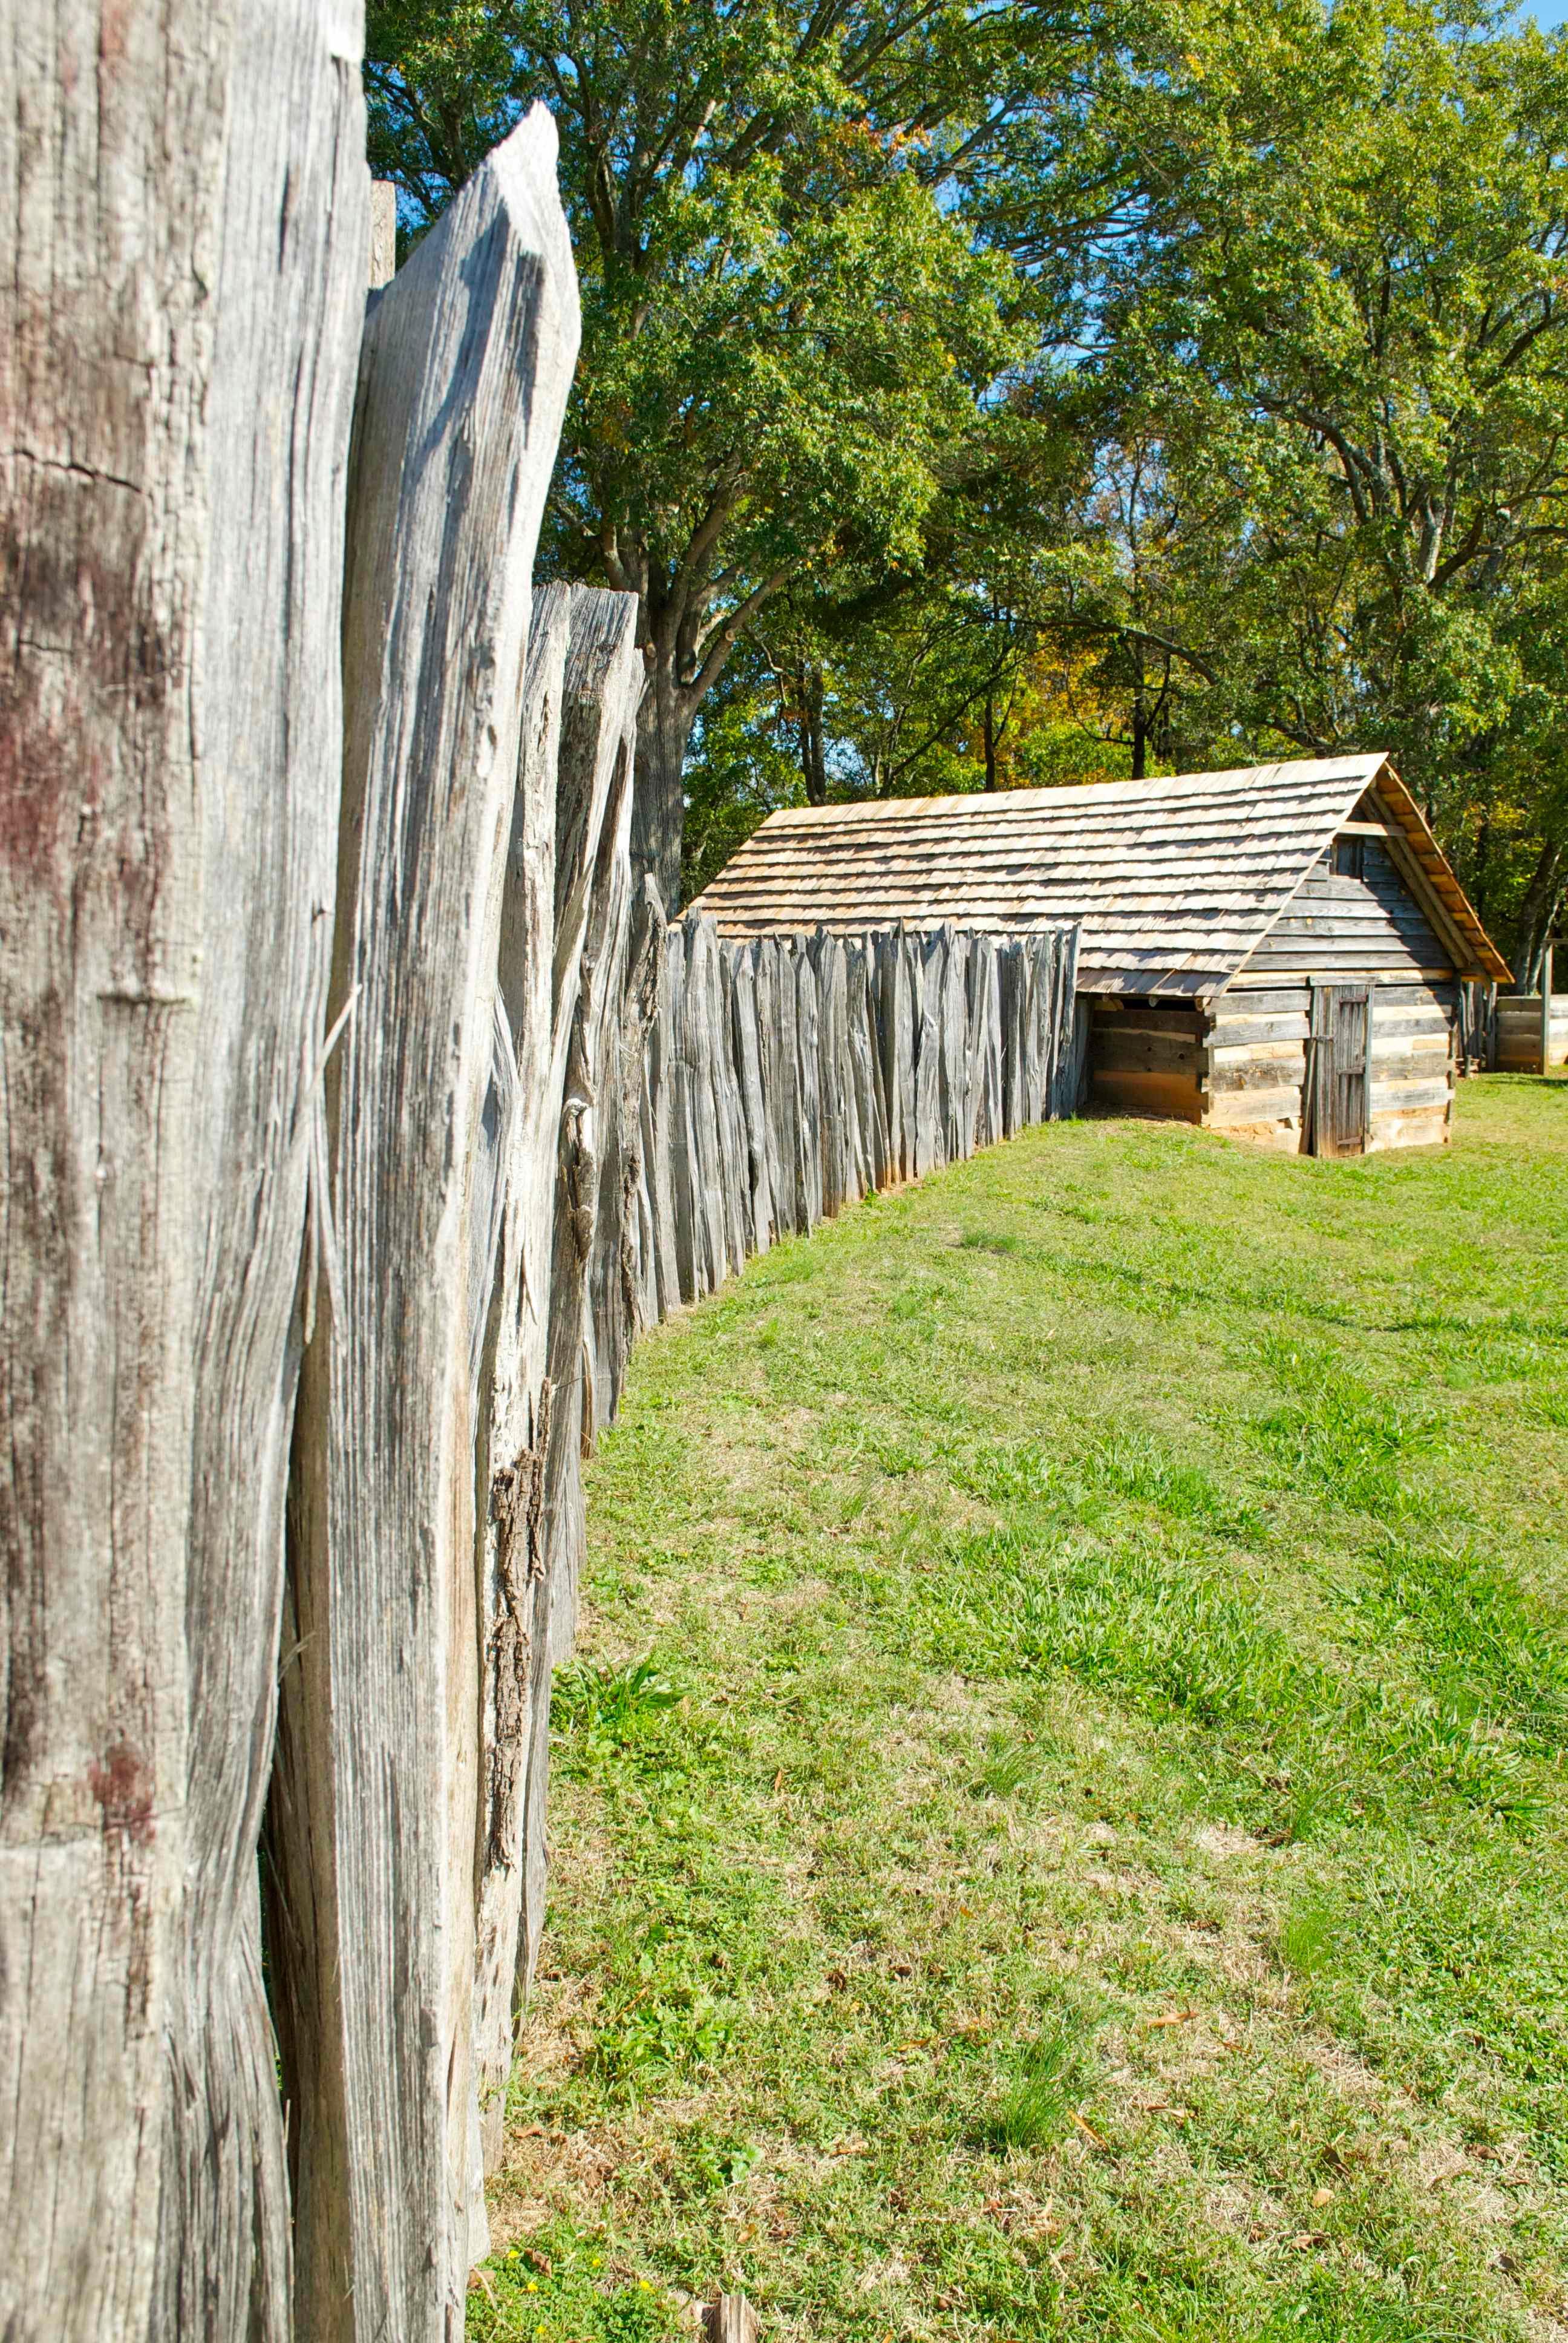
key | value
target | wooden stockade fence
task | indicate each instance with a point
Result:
(786, 1077)
(360, 1107)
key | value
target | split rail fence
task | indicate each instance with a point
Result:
(359, 1108)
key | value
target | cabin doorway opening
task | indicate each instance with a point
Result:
(1339, 1078)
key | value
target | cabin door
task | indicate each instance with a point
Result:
(1339, 1073)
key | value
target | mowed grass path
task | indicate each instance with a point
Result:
(1058, 1815)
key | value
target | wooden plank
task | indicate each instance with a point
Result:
(1394, 977)
(1260, 1072)
(1151, 1053)
(1406, 1095)
(1144, 1017)
(1424, 1127)
(1253, 1105)
(1234, 1033)
(465, 363)
(383, 264)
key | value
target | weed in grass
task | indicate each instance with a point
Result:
(1480, 1645)
(1010, 1760)
(1006, 1474)
(1306, 1940)
(1039, 2104)
(726, 2164)
(1133, 1465)
(556, 2288)
(671, 2021)
(605, 1709)
(1157, 1622)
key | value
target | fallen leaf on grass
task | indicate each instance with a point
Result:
(1176, 2017)
(1308, 2239)
(1088, 2128)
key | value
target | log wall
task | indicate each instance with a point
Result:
(1345, 928)
(1239, 1065)
(1147, 1057)
(1518, 1033)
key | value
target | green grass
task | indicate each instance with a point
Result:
(1057, 1818)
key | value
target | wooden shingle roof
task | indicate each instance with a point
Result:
(1171, 882)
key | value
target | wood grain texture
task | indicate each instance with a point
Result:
(467, 359)
(604, 685)
(513, 1392)
(169, 744)
(289, 313)
(602, 689)
(731, 2318)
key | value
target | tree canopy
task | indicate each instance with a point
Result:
(977, 396)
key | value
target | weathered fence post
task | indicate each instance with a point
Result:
(289, 306)
(600, 694)
(177, 331)
(513, 1398)
(466, 361)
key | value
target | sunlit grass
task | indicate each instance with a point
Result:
(1056, 1823)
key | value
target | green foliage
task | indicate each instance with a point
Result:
(983, 396)
(556, 2288)
(606, 1709)
(784, 326)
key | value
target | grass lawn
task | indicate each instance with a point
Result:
(1058, 1816)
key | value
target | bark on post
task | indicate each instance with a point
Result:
(168, 484)
(466, 361)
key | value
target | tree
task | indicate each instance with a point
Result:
(1328, 299)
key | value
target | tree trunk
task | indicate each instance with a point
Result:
(658, 800)
(1139, 738)
(990, 741)
(169, 745)
(1538, 911)
(813, 748)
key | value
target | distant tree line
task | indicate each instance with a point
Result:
(982, 395)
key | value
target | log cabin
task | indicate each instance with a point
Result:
(1274, 952)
